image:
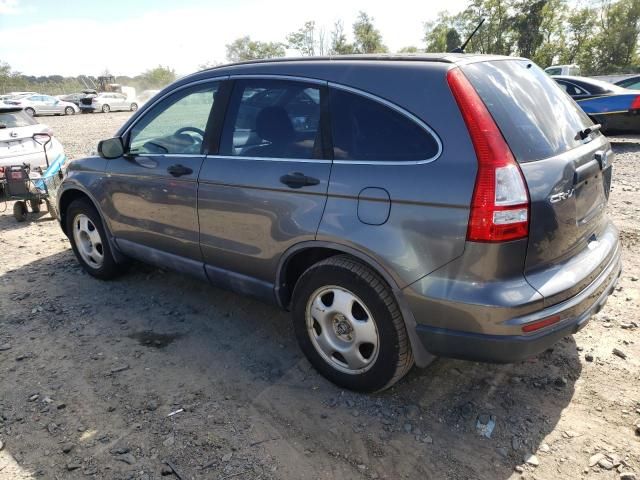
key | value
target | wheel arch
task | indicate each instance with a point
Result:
(73, 193)
(301, 256)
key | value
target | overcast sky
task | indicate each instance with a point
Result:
(74, 37)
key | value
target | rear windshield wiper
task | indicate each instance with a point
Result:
(583, 134)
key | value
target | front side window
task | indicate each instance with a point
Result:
(366, 130)
(273, 119)
(176, 125)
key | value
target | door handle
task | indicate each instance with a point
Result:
(179, 170)
(298, 180)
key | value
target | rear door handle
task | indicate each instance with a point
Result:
(179, 170)
(298, 180)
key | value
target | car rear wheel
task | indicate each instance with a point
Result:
(106, 109)
(349, 325)
(30, 111)
(69, 111)
(134, 107)
(89, 240)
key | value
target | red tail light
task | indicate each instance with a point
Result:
(635, 105)
(500, 203)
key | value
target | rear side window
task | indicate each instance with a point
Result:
(535, 116)
(571, 89)
(15, 119)
(367, 130)
(273, 119)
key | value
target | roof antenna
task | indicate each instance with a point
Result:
(461, 48)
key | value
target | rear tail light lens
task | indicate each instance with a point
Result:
(635, 105)
(500, 203)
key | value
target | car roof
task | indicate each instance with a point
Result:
(377, 57)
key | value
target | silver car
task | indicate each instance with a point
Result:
(106, 102)
(43, 105)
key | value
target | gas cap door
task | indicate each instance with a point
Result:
(374, 206)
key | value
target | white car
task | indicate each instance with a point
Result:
(106, 102)
(43, 105)
(17, 145)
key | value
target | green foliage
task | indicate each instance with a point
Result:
(246, 49)
(307, 40)
(409, 49)
(339, 44)
(157, 77)
(368, 39)
(601, 37)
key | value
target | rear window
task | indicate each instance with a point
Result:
(15, 119)
(536, 117)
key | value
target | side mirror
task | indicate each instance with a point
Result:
(111, 148)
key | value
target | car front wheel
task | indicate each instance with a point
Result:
(106, 109)
(349, 325)
(89, 240)
(134, 107)
(69, 111)
(30, 111)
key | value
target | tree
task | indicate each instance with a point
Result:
(158, 77)
(307, 40)
(246, 49)
(527, 23)
(339, 44)
(618, 38)
(368, 39)
(409, 49)
(452, 40)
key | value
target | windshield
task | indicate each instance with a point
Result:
(536, 117)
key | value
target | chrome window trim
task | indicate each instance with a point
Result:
(270, 76)
(272, 159)
(401, 111)
(147, 108)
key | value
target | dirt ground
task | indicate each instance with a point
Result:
(92, 373)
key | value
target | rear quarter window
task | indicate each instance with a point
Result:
(364, 129)
(536, 117)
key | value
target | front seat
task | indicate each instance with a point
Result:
(274, 126)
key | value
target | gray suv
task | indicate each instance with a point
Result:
(401, 208)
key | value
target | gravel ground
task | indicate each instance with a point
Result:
(91, 372)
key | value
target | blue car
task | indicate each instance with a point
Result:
(617, 109)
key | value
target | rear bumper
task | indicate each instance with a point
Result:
(574, 313)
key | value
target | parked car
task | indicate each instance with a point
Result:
(400, 209)
(632, 83)
(106, 102)
(615, 108)
(73, 98)
(16, 139)
(43, 105)
(571, 69)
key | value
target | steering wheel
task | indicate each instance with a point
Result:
(190, 129)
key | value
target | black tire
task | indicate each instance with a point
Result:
(20, 211)
(110, 268)
(51, 208)
(106, 108)
(134, 107)
(394, 358)
(69, 111)
(35, 205)
(30, 111)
